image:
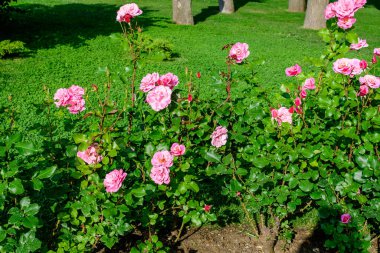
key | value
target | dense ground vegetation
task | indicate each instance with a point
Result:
(271, 166)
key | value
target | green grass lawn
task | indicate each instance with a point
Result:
(69, 40)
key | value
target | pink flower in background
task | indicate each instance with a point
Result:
(177, 149)
(363, 64)
(282, 115)
(127, 12)
(293, 70)
(149, 82)
(303, 94)
(170, 80)
(330, 11)
(114, 180)
(363, 90)
(219, 137)
(345, 218)
(370, 80)
(239, 52)
(297, 102)
(346, 22)
(344, 8)
(90, 155)
(309, 84)
(159, 98)
(71, 98)
(376, 51)
(160, 175)
(361, 43)
(359, 4)
(162, 158)
(207, 208)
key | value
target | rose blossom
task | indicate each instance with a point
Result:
(63, 97)
(71, 98)
(149, 82)
(219, 137)
(128, 11)
(303, 94)
(207, 208)
(330, 11)
(344, 8)
(376, 51)
(159, 98)
(239, 52)
(162, 158)
(309, 84)
(370, 80)
(363, 90)
(361, 43)
(347, 66)
(363, 64)
(282, 115)
(346, 22)
(90, 156)
(345, 218)
(356, 67)
(114, 180)
(359, 4)
(170, 80)
(297, 102)
(293, 70)
(374, 60)
(177, 149)
(160, 175)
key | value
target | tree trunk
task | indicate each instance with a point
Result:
(226, 6)
(315, 14)
(297, 5)
(182, 14)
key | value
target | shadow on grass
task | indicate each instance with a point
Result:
(42, 26)
(213, 10)
(375, 3)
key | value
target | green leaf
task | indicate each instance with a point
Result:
(30, 222)
(79, 138)
(196, 221)
(28, 242)
(293, 182)
(260, 162)
(24, 202)
(194, 186)
(211, 156)
(306, 185)
(362, 161)
(37, 184)
(139, 193)
(25, 148)
(32, 209)
(16, 187)
(47, 173)
(352, 37)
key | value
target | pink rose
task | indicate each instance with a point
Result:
(274, 113)
(303, 94)
(128, 11)
(63, 96)
(76, 105)
(347, 66)
(177, 149)
(356, 67)
(293, 70)
(170, 80)
(160, 175)
(189, 98)
(376, 51)
(345, 8)
(359, 45)
(374, 60)
(283, 115)
(309, 84)
(297, 102)
(359, 4)
(114, 180)
(90, 155)
(239, 52)
(219, 137)
(345, 218)
(159, 98)
(330, 11)
(71, 98)
(371, 81)
(149, 82)
(346, 22)
(207, 208)
(162, 158)
(363, 90)
(363, 64)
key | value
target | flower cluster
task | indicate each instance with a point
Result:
(366, 82)
(239, 52)
(219, 137)
(159, 89)
(90, 155)
(162, 161)
(127, 12)
(349, 67)
(114, 180)
(344, 11)
(72, 98)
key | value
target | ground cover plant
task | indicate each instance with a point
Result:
(154, 156)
